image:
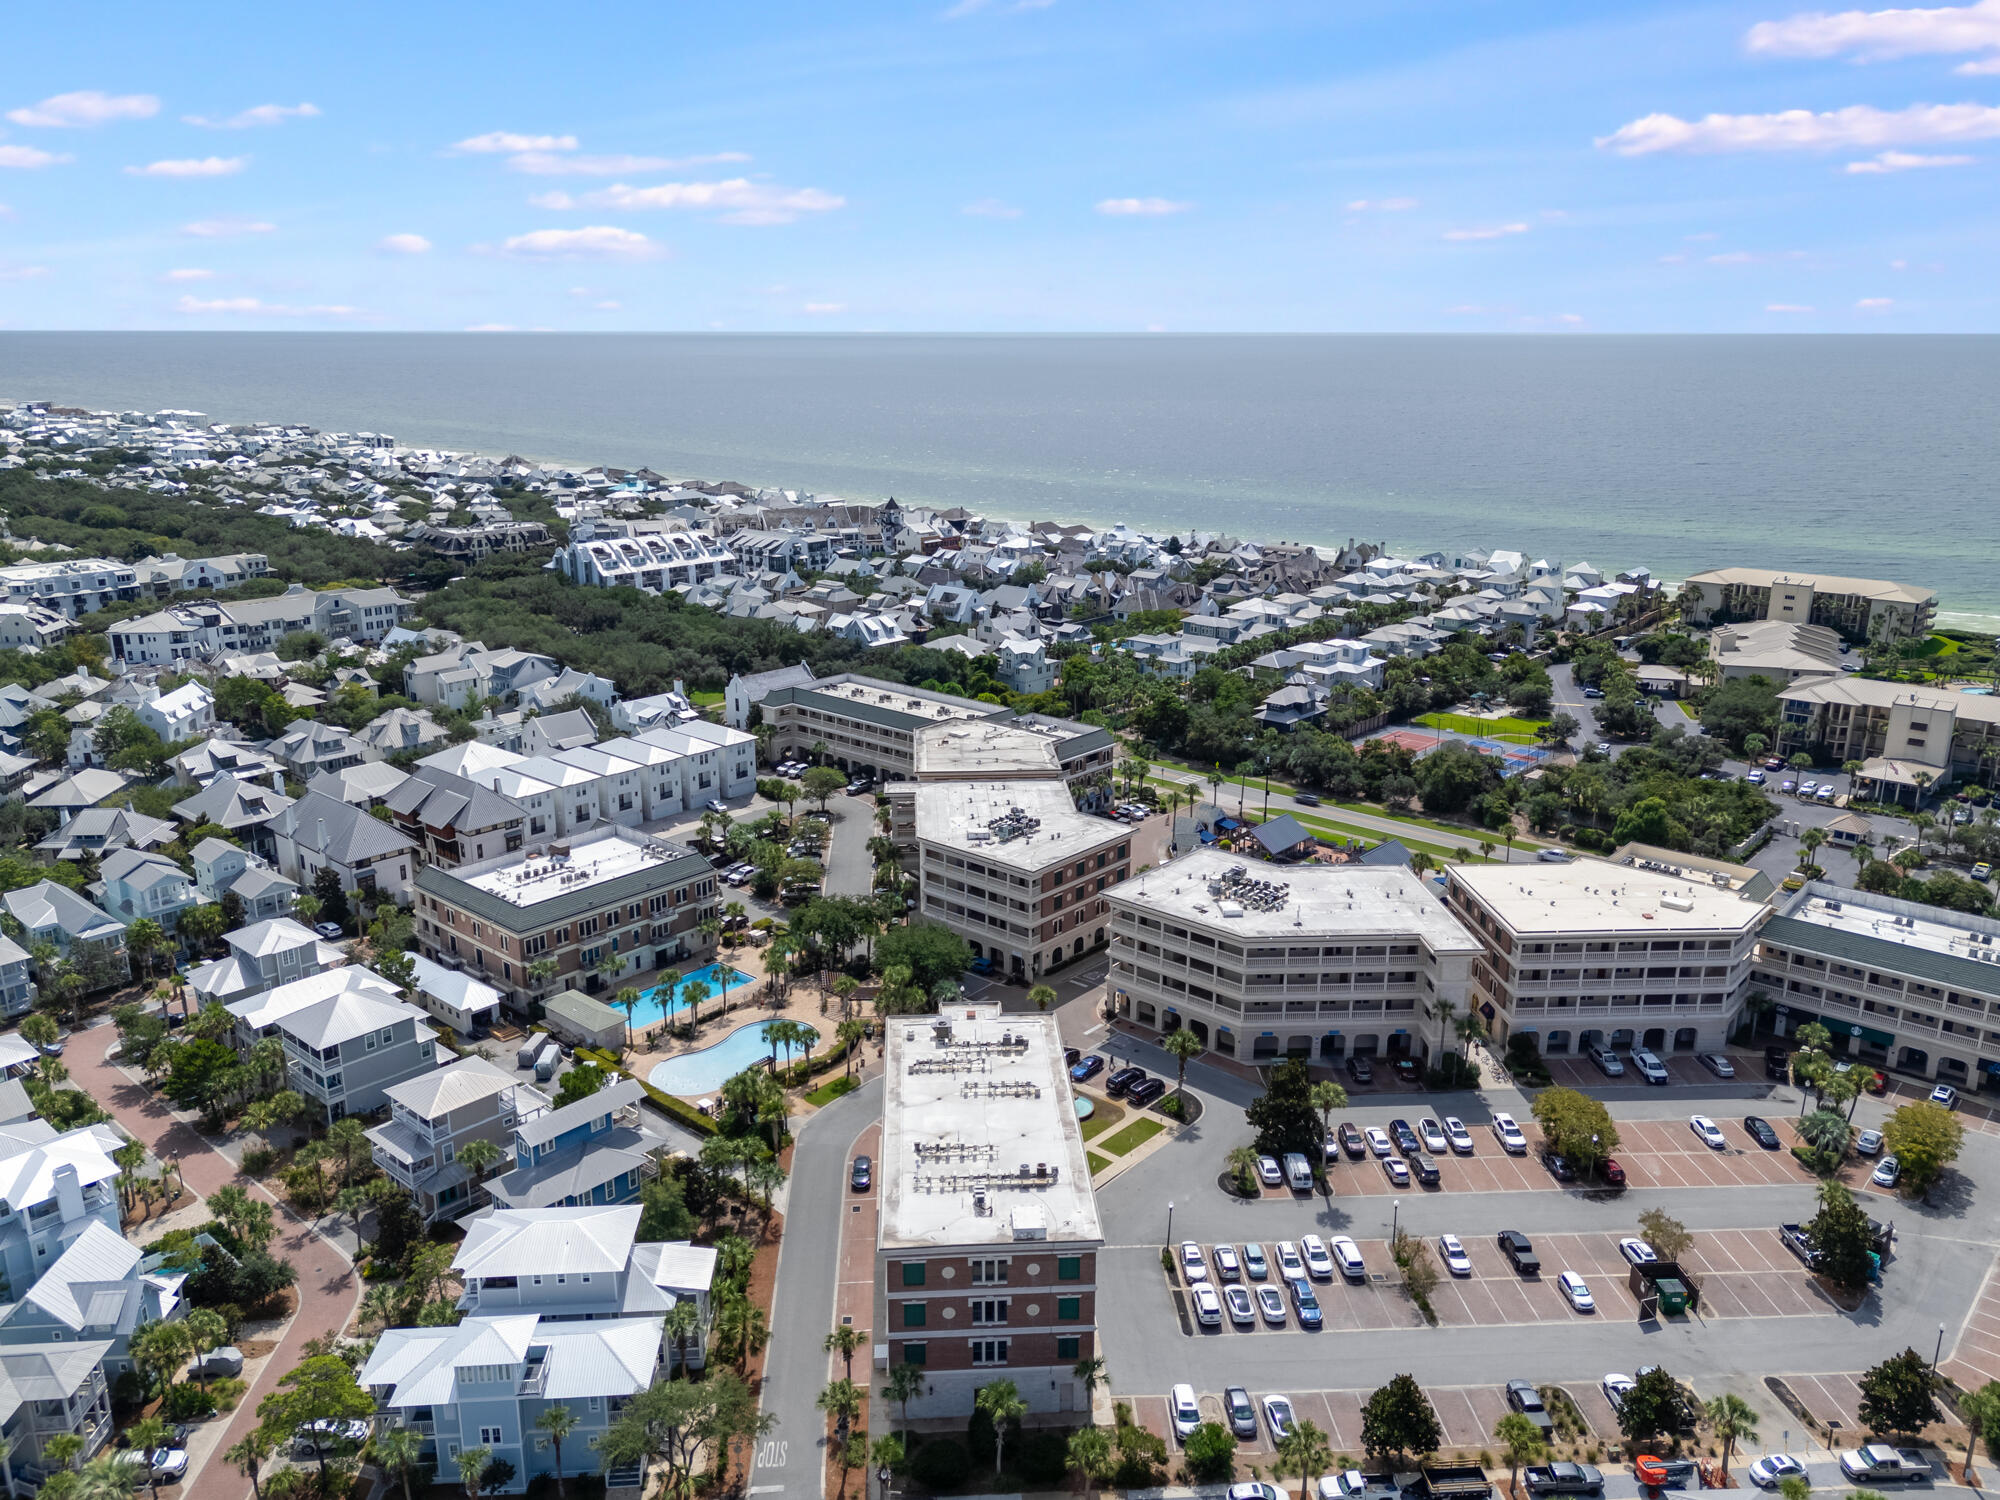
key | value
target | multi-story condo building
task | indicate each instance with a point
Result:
(471, 543)
(50, 1389)
(717, 762)
(52, 1188)
(594, 1151)
(611, 892)
(1016, 870)
(654, 561)
(1898, 984)
(205, 628)
(75, 586)
(17, 982)
(988, 1235)
(1648, 948)
(454, 819)
(1266, 961)
(434, 1116)
(1912, 741)
(1856, 607)
(863, 723)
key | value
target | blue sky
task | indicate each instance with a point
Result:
(1005, 165)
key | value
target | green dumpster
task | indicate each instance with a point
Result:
(1673, 1296)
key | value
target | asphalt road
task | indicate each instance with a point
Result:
(797, 1367)
(849, 870)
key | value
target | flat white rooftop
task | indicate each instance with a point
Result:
(980, 1144)
(1028, 825)
(592, 859)
(895, 696)
(986, 748)
(1928, 928)
(1592, 895)
(1229, 895)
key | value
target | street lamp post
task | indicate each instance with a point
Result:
(1937, 1353)
(1170, 1223)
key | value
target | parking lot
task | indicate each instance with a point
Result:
(1654, 1154)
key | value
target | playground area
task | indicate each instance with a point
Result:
(1514, 759)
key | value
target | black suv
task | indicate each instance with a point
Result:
(1425, 1168)
(1145, 1091)
(1404, 1137)
(1122, 1080)
(1777, 1063)
(1360, 1069)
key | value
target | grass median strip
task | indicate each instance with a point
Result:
(1097, 1163)
(1135, 1134)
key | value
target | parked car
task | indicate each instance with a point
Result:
(1719, 1065)
(228, 1360)
(1772, 1467)
(1194, 1265)
(1269, 1172)
(1228, 1266)
(1239, 1413)
(1319, 1265)
(1512, 1141)
(1777, 1063)
(1559, 1166)
(1612, 1173)
(1242, 1312)
(1608, 1062)
(1183, 1410)
(862, 1175)
(1207, 1306)
(1254, 1264)
(1404, 1137)
(1616, 1388)
(1122, 1080)
(1520, 1252)
(1458, 1135)
(1433, 1136)
(329, 1435)
(1271, 1303)
(1305, 1302)
(1637, 1251)
(1451, 1250)
(1347, 1255)
(1290, 1262)
(159, 1465)
(1278, 1416)
(1360, 1069)
(1649, 1067)
(1760, 1131)
(1087, 1069)
(1409, 1070)
(1351, 1141)
(1709, 1133)
(1946, 1095)
(1577, 1291)
(1868, 1143)
(1426, 1167)
(328, 930)
(1145, 1091)
(1525, 1399)
(1378, 1141)
(1396, 1170)
(1888, 1172)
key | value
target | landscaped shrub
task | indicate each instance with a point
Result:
(941, 1464)
(258, 1160)
(188, 1402)
(1042, 1459)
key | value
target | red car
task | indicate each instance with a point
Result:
(1879, 1083)
(1613, 1173)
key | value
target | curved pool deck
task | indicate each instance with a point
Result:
(695, 1075)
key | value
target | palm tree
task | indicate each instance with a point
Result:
(1042, 996)
(1809, 843)
(683, 1322)
(61, 1449)
(1243, 1162)
(844, 1340)
(1522, 1443)
(1303, 1450)
(558, 1422)
(1089, 1373)
(906, 1383)
(841, 1400)
(479, 1157)
(849, 1034)
(1981, 1410)
(258, 1445)
(1002, 1403)
(472, 1464)
(1326, 1097)
(694, 992)
(1183, 1046)
(148, 1434)
(105, 1477)
(742, 1329)
(399, 1450)
(629, 998)
(143, 937)
(1733, 1420)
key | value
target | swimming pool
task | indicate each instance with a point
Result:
(694, 1074)
(655, 1003)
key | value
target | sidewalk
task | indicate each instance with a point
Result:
(327, 1290)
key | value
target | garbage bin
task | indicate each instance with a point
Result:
(1673, 1297)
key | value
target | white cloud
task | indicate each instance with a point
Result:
(1123, 208)
(593, 242)
(257, 307)
(259, 114)
(548, 164)
(1875, 35)
(1875, 304)
(188, 273)
(491, 328)
(1904, 161)
(1732, 258)
(86, 107)
(557, 201)
(192, 166)
(28, 158)
(821, 309)
(403, 244)
(22, 273)
(991, 208)
(1486, 232)
(1381, 205)
(497, 141)
(1787, 307)
(219, 229)
(742, 201)
(1859, 125)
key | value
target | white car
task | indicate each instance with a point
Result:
(1251, 1490)
(1254, 1264)
(1207, 1306)
(1772, 1467)
(1868, 1143)
(1458, 1135)
(1398, 1171)
(1348, 1254)
(1378, 1141)
(1193, 1266)
(1242, 1312)
(1945, 1094)
(1616, 1388)
(1719, 1065)
(1452, 1253)
(1183, 1410)
(1888, 1172)
(1433, 1134)
(168, 1465)
(1509, 1135)
(1577, 1290)
(1708, 1130)
(1227, 1266)
(1637, 1251)
(1269, 1172)
(1271, 1303)
(1278, 1416)
(1289, 1263)
(1319, 1265)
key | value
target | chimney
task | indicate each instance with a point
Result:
(69, 1193)
(322, 835)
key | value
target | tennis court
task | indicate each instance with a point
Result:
(1514, 759)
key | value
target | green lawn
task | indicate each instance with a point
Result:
(1509, 731)
(826, 1093)
(1097, 1163)
(1096, 1125)
(1136, 1134)
(705, 700)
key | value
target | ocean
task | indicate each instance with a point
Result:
(1869, 455)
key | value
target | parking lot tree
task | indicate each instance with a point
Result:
(1668, 1236)
(1399, 1420)
(1303, 1451)
(1981, 1410)
(1926, 1139)
(1796, 1487)
(933, 953)
(1283, 1115)
(823, 783)
(1420, 1273)
(1896, 1395)
(1521, 1443)
(1184, 1047)
(1732, 1420)
(1655, 1407)
(1825, 1133)
(1243, 1163)
(1328, 1096)
(1210, 1454)
(319, 1389)
(1090, 1455)
(1576, 1126)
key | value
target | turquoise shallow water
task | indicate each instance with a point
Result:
(655, 1003)
(694, 1074)
(1863, 455)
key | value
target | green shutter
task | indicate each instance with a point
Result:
(916, 1354)
(1069, 1308)
(913, 1273)
(1069, 1268)
(914, 1314)
(1069, 1348)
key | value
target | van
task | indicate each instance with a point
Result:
(1298, 1172)
(1553, 856)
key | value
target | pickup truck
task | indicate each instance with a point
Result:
(1454, 1482)
(1520, 1252)
(1525, 1399)
(1563, 1479)
(1352, 1484)
(1878, 1463)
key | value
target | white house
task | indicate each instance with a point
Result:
(187, 713)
